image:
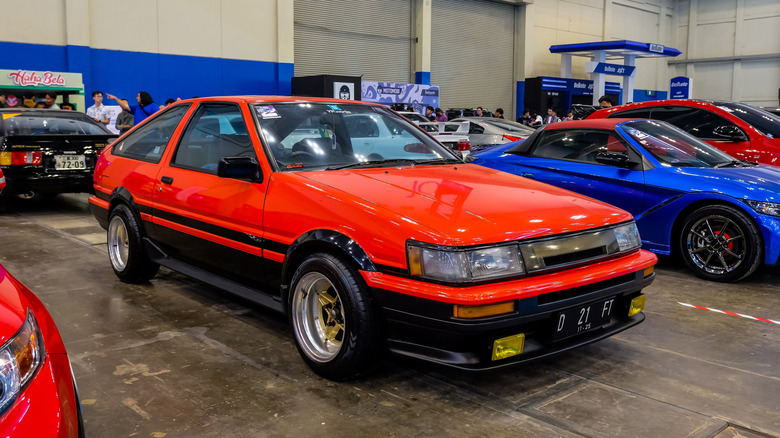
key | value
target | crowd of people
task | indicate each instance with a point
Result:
(533, 119)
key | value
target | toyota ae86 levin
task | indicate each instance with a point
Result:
(367, 246)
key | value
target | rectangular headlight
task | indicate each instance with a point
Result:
(627, 237)
(458, 265)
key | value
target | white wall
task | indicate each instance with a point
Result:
(578, 21)
(256, 30)
(731, 49)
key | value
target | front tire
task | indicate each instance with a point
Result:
(126, 252)
(332, 317)
(721, 243)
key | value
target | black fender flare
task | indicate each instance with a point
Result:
(324, 239)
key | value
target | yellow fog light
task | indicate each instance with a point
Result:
(637, 304)
(649, 271)
(508, 347)
(483, 310)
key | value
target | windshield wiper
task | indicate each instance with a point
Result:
(438, 161)
(373, 163)
(732, 163)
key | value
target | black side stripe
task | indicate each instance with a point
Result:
(227, 233)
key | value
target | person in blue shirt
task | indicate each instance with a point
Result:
(145, 108)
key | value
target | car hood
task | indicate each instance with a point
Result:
(758, 183)
(13, 306)
(469, 204)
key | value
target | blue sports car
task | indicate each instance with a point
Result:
(721, 214)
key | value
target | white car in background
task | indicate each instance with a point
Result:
(487, 131)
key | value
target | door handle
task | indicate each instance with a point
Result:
(166, 180)
(527, 174)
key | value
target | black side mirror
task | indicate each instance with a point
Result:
(730, 132)
(614, 159)
(240, 168)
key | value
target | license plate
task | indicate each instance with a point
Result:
(69, 162)
(583, 318)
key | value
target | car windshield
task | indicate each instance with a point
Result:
(764, 121)
(308, 135)
(673, 147)
(49, 124)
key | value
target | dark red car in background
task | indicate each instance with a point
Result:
(740, 130)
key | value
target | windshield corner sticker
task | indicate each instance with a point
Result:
(335, 109)
(267, 112)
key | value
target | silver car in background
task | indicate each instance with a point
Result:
(487, 131)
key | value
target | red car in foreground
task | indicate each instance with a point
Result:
(368, 243)
(38, 396)
(740, 130)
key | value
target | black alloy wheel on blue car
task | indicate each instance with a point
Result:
(721, 243)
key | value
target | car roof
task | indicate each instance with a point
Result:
(277, 99)
(604, 112)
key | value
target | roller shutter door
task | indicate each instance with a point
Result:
(472, 54)
(371, 38)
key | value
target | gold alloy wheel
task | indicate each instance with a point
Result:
(318, 317)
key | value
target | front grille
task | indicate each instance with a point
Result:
(553, 297)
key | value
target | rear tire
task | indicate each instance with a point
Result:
(333, 318)
(721, 243)
(126, 251)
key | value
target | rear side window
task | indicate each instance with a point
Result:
(576, 144)
(217, 130)
(149, 142)
(695, 121)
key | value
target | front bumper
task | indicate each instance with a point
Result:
(426, 329)
(48, 406)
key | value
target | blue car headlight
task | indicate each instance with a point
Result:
(768, 208)
(20, 358)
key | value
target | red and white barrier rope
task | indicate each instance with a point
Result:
(729, 313)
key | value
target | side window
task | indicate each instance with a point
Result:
(475, 129)
(697, 122)
(149, 142)
(577, 145)
(643, 113)
(217, 130)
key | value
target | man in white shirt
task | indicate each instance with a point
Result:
(98, 111)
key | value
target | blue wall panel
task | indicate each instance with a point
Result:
(163, 76)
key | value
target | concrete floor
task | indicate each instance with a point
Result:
(176, 358)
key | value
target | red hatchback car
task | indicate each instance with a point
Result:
(740, 130)
(367, 243)
(38, 396)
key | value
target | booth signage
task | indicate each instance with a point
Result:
(417, 95)
(657, 48)
(28, 78)
(577, 86)
(610, 69)
(680, 88)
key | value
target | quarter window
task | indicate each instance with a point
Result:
(697, 122)
(216, 131)
(149, 142)
(576, 144)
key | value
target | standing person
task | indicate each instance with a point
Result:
(552, 116)
(124, 120)
(28, 100)
(98, 111)
(3, 103)
(50, 101)
(440, 116)
(569, 116)
(429, 113)
(145, 108)
(499, 113)
(537, 119)
(605, 101)
(480, 112)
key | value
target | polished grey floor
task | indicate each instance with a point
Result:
(177, 358)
